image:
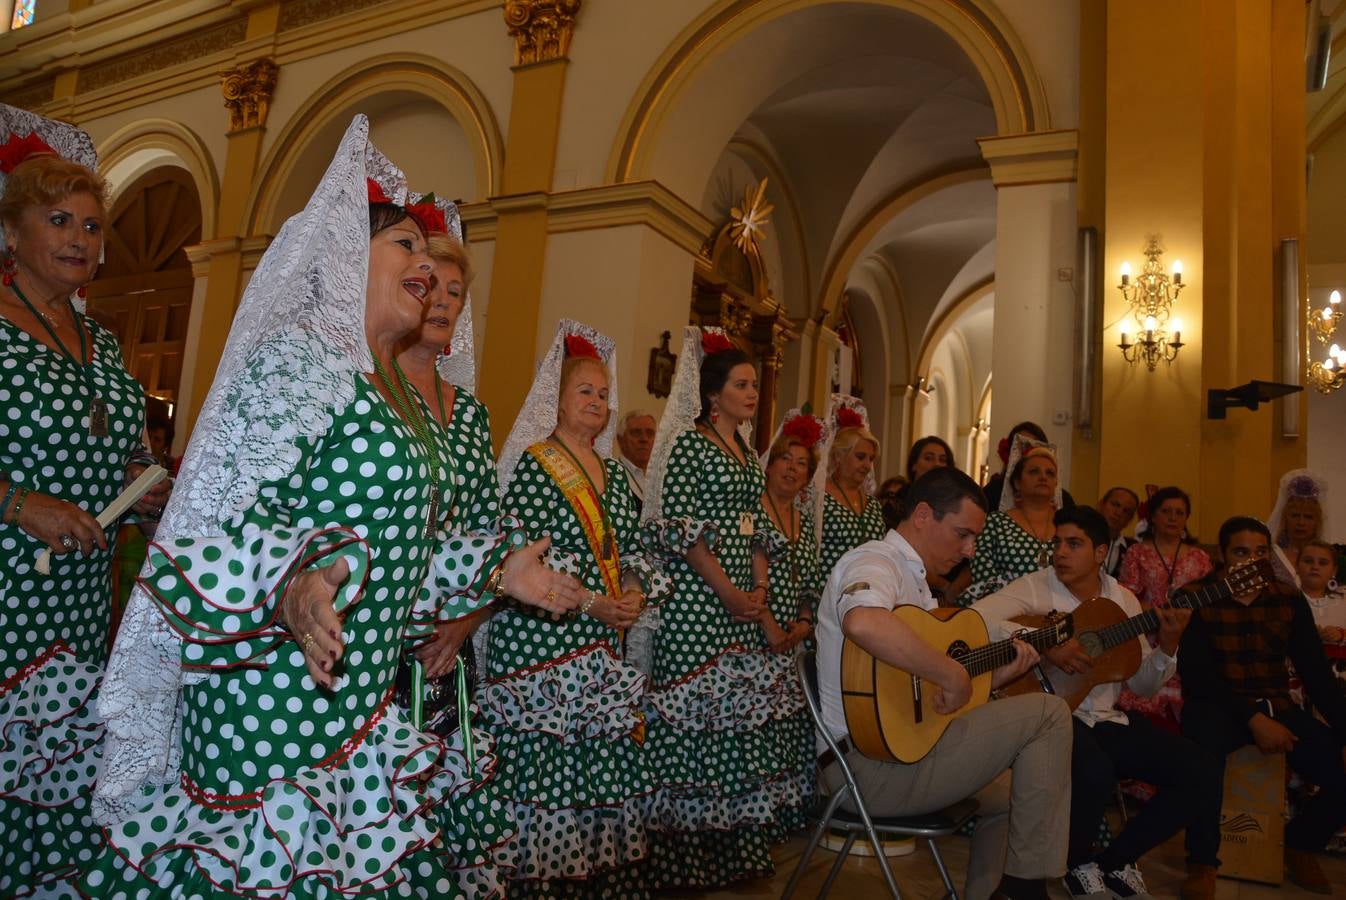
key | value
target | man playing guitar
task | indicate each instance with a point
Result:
(1029, 735)
(1110, 745)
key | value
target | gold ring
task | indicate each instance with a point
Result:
(551, 596)
(308, 642)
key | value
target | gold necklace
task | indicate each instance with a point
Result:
(847, 497)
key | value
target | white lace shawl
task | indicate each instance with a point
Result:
(68, 141)
(1307, 486)
(310, 282)
(537, 418)
(835, 404)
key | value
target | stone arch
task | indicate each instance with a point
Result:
(978, 28)
(399, 73)
(136, 149)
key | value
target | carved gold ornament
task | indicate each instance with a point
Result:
(541, 28)
(247, 93)
(750, 221)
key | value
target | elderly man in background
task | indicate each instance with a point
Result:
(1118, 507)
(635, 435)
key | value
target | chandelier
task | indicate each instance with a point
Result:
(1326, 375)
(1150, 297)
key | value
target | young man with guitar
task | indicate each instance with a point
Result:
(1237, 691)
(1109, 744)
(942, 516)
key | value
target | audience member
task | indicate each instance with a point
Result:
(1118, 507)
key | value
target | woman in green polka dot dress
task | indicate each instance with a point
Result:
(71, 419)
(563, 704)
(720, 779)
(295, 775)
(850, 515)
(796, 585)
(1017, 538)
(439, 363)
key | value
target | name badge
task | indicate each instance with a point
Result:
(745, 524)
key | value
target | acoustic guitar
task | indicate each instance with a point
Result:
(890, 713)
(1108, 636)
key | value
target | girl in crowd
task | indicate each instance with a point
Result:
(565, 707)
(308, 529)
(1317, 569)
(846, 512)
(1017, 538)
(68, 445)
(1165, 559)
(718, 792)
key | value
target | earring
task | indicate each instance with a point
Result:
(714, 413)
(81, 293)
(9, 267)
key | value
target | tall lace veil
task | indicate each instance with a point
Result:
(537, 419)
(68, 141)
(306, 297)
(835, 404)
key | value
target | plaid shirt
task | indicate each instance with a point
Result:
(1233, 655)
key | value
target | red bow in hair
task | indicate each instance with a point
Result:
(806, 429)
(577, 345)
(17, 149)
(1002, 451)
(429, 216)
(849, 418)
(713, 342)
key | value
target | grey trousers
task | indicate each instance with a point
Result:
(1013, 755)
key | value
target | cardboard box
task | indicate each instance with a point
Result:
(1252, 817)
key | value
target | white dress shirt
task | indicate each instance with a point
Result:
(636, 476)
(882, 574)
(1040, 593)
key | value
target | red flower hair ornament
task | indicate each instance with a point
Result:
(579, 346)
(428, 216)
(17, 149)
(713, 342)
(805, 429)
(849, 418)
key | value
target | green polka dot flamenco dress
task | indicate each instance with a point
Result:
(54, 628)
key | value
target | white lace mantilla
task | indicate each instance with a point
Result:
(537, 418)
(305, 304)
(459, 366)
(835, 404)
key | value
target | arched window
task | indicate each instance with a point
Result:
(24, 10)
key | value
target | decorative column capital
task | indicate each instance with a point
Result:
(1037, 157)
(541, 28)
(247, 93)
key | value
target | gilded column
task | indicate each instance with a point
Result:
(542, 30)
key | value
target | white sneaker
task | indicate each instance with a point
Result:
(1126, 884)
(1086, 883)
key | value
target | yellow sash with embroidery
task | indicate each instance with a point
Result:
(579, 493)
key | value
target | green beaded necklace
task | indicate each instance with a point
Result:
(412, 415)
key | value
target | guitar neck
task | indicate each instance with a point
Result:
(999, 653)
(1195, 597)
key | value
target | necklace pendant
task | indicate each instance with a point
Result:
(98, 417)
(432, 517)
(609, 546)
(1044, 557)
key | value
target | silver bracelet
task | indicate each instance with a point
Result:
(588, 604)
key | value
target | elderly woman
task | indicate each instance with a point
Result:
(564, 705)
(1017, 538)
(848, 514)
(1298, 515)
(69, 440)
(718, 797)
(306, 533)
(795, 583)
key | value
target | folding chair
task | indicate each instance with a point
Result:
(930, 826)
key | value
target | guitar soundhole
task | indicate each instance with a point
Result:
(1092, 643)
(959, 649)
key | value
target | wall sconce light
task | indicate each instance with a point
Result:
(923, 385)
(1329, 374)
(1151, 296)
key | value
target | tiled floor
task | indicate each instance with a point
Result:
(918, 880)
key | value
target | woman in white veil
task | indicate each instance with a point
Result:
(254, 748)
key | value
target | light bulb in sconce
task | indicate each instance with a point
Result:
(1334, 298)
(1177, 271)
(1125, 340)
(1126, 273)
(1150, 325)
(1327, 313)
(1329, 364)
(1177, 331)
